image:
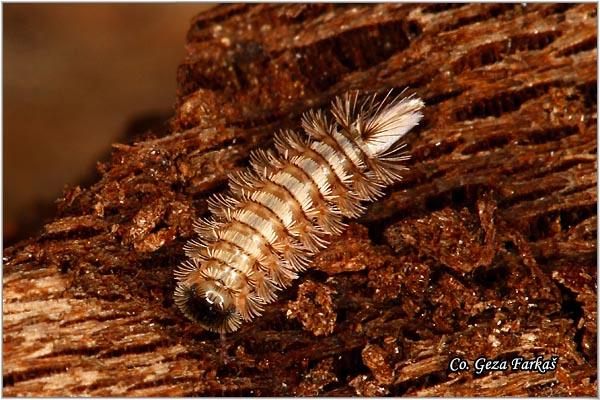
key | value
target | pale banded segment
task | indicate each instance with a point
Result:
(267, 227)
(270, 270)
(297, 188)
(289, 143)
(251, 254)
(330, 217)
(317, 182)
(351, 151)
(334, 161)
(318, 173)
(264, 226)
(253, 244)
(366, 186)
(308, 233)
(342, 194)
(279, 207)
(229, 254)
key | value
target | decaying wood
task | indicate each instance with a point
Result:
(488, 247)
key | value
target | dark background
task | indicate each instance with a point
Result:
(76, 78)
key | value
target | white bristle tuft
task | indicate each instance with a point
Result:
(389, 125)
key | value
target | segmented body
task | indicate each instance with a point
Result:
(286, 207)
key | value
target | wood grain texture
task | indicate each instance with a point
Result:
(488, 247)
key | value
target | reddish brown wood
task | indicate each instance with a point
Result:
(488, 247)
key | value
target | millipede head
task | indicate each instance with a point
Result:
(209, 303)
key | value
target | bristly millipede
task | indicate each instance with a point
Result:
(281, 211)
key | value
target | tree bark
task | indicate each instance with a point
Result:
(486, 248)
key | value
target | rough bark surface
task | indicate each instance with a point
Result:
(488, 247)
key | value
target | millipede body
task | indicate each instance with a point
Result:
(285, 208)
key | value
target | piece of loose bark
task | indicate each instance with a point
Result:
(488, 246)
